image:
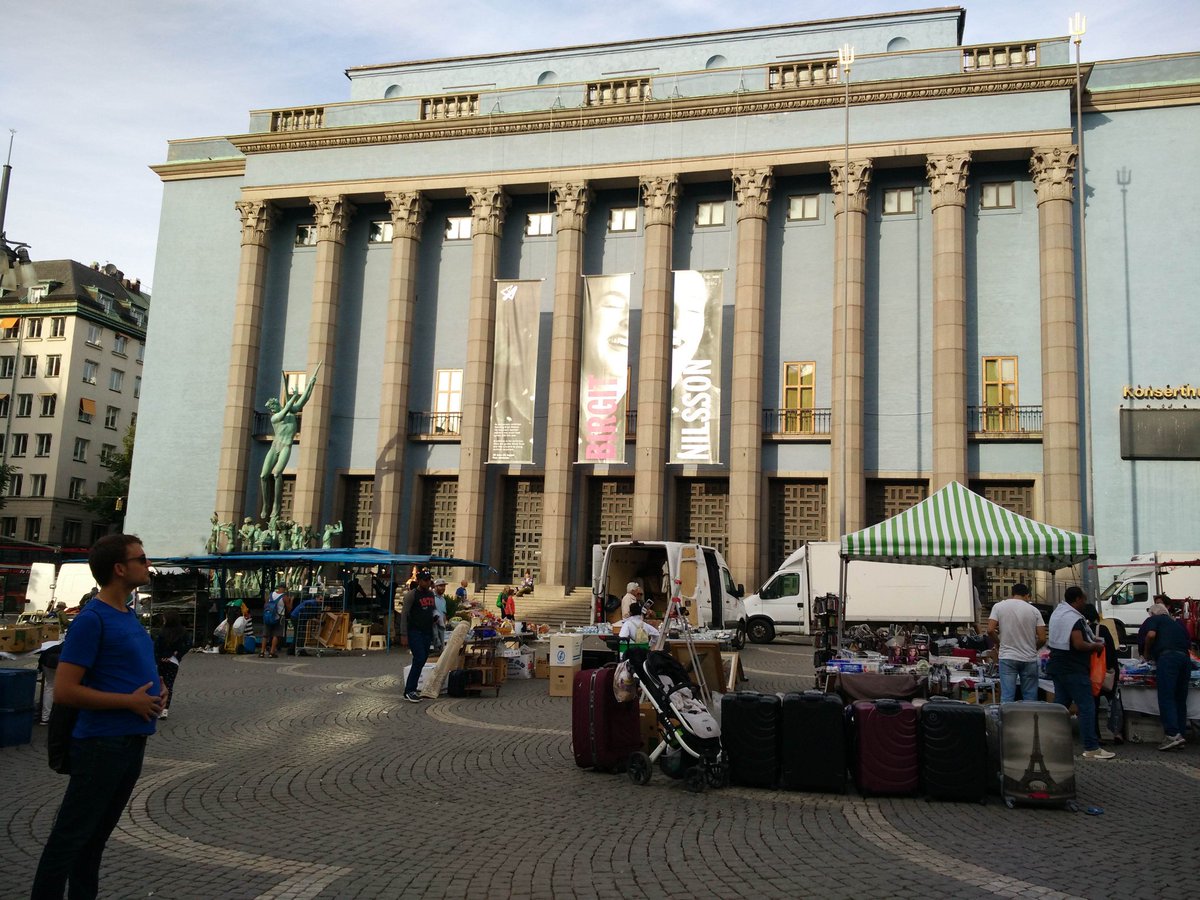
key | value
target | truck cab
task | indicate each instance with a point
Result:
(1127, 600)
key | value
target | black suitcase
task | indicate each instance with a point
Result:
(457, 686)
(954, 753)
(1037, 754)
(750, 737)
(812, 745)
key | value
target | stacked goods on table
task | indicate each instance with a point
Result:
(27, 636)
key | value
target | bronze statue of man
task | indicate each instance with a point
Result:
(284, 424)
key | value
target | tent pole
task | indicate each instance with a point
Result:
(841, 618)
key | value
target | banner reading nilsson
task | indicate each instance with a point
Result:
(696, 368)
(514, 371)
(603, 374)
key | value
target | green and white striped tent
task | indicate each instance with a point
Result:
(956, 527)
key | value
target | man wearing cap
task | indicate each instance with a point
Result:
(420, 611)
(632, 599)
(439, 625)
(1021, 632)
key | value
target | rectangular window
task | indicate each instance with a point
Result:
(37, 485)
(43, 445)
(710, 213)
(802, 208)
(29, 367)
(72, 532)
(379, 232)
(120, 342)
(106, 452)
(137, 387)
(8, 526)
(998, 195)
(15, 482)
(75, 489)
(897, 201)
(58, 326)
(90, 369)
(49, 404)
(8, 366)
(11, 329)
(37, 293)
(94, 335)
(33, 529)
(53, 366)
(33, 327)
(799, 395)
(87, 410)
(141, 351)
(458, 228)
(623, 219)
(1000, 393)
(20, 444)
(306, 235)
(115, 379)
(81, 450)
(4, 404)
(539, 224)
(447, 401)
(111, 415)
(24, 405)
(295, 382)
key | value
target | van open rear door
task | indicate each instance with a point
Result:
(694, 588)
(39, 593)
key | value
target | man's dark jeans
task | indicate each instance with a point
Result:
(418, 644)
(1174, 668)
(104, 771)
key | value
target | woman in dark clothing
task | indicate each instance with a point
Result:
(1111, 665)
(172, 643)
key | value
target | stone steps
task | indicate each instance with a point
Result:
(552, 608)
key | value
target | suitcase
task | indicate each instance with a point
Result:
(992, 730)
(750, 738)
(603, 732)
(1037, 754)
(812, 743)
(457, 685)
(885, 747)
(954, 754)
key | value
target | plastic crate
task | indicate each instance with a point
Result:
(16, 726)
(17, 688)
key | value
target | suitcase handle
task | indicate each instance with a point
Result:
(888, 707)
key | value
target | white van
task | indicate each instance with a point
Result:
(876, 592)
(710, 596)
(1127, 599)
(47, 585)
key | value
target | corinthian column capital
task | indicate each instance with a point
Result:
(753, 187)
(572, 199)
(333, 217)
(257, 218)
(660, 194)
(489, 205)
(850, 186)
(948, 178)
(408, 210)
(1053, 171)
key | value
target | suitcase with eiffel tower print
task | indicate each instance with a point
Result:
(1037, 754)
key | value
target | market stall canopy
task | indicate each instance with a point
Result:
(956, 527)
(354, 556)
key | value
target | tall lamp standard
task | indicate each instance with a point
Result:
(845, 61)
(1077, 27)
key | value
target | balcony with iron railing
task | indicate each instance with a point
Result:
(798, 424)
(434, 426)
(1004, 422)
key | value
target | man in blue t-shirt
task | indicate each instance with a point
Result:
(1167, 644)
(108, 671)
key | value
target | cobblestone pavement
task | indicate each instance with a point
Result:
(305, 778)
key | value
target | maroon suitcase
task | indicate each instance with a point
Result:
(603, 732)
(886, 759)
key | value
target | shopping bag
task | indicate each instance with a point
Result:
(1098, 672)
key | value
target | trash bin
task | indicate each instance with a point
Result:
(16, 706)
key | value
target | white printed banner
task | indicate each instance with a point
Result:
(514, 371)
(603, 374)
(696, 368)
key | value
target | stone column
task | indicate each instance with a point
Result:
(572, 201)
(257, 218)
(1053, 171)
(753, 188)
(948, 185)
(408, 216)
(488, 207)
(333, 218)
(660, 194)
(850, 194)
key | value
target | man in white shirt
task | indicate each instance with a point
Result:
(1021, 632)
(632, 598)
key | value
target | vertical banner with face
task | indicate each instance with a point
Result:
(603, 374)
(696, 368)
(514, 371)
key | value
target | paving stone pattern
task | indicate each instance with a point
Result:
(306, 778)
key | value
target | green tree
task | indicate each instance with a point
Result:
(108, 503)
(6, 474)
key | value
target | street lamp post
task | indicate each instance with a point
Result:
(845, 61)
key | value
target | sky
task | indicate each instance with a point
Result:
(95, 90)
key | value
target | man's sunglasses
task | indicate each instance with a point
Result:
(142, 559)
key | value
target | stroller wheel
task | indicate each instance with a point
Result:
(639, 768)
(717, 775)
(694, 780)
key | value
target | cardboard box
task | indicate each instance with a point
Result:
(541, 667)
(21, 639)
(566, 650)
(561, 678)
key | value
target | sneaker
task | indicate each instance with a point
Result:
(412, 697)
(1098, 753)
(1171, 742)
(163, 714)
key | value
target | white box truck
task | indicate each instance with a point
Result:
(876, 592)
(1127, 599)
(710, 596)
(70, 582)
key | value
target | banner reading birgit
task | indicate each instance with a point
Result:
(603, 374)
(514, 371)
(696, 368)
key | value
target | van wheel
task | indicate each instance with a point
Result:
(738, 641)
(760, 631)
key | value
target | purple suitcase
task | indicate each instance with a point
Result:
(603, 732)
(885, 751)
